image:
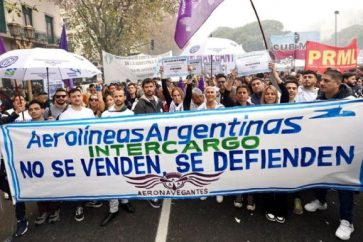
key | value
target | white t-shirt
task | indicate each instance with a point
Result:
(306, 95)
(203, 106)
(111, 112)
(70, 113)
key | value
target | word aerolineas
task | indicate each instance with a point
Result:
(237, 127)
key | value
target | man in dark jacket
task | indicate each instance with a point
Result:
(350, 79)
(331, 88)
(22, 222)
(257, 87)
(149, 103)
(131, 95)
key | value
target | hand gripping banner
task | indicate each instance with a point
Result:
(284, 147)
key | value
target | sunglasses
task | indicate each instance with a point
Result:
(93, 99)
(60, 96)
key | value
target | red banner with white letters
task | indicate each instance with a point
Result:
(319, 57)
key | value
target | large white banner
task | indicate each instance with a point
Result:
(284, 147)
(119, 68)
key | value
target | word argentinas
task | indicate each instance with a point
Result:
(184, 133)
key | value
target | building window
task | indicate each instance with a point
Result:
(2, 17)
(27, 15)
(50, 30)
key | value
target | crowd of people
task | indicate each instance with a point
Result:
(155, 95)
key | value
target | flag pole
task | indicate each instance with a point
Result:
(259, 23)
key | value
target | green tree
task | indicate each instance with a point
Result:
(250, 35)
(115, 26)
(345, 36)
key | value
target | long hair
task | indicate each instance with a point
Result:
(273, 89)
(177, 89)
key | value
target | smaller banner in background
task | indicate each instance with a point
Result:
(175, 66)
(292, 45)
(213, 68)
(197, 66)
(253, 63)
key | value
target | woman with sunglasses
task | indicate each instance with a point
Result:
(96, 103)
(95, 100)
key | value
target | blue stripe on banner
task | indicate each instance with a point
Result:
(284, 189)
(105, 197)
(213, 193)
(187, 114)
(361, 174)
(9, 160)
(15, 177)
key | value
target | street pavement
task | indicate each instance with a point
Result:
(190, 220)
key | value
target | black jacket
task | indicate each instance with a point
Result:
(187, 99)
(5, 120)
(144, 105)
(344, 92)
(9, 119)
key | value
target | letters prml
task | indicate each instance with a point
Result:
(332, 58)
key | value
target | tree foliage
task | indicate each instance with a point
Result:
(345, 36)
(163, 36)
(250, 35)
(115, 26)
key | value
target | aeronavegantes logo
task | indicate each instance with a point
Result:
(173, 180)
(8, 61)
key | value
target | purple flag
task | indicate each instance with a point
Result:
(181, 84)
(63, 40)
(63, 44)
(192, 14)
(2, 46)
(201, 84)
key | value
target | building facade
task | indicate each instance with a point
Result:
(30, 23)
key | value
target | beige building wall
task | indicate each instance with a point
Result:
(44, 7)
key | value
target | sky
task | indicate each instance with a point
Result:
(296, 15)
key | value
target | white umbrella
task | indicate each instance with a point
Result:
(40, 63)
(213, 46)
